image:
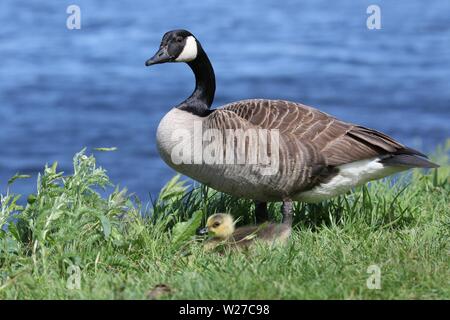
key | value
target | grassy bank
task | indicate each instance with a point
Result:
(70, 242)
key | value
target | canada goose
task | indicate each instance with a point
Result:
(222, 228)
(317, 156)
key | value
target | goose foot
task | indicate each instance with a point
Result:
(261, 213)
(287, 212)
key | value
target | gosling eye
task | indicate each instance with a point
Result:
(216, 224)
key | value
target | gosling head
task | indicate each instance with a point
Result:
(176, 46)
(220, 225)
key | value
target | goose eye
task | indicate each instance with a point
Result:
(179, 40)
(216, 224)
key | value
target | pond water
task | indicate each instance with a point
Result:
(62, 90)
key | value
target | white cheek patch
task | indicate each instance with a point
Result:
(189, 52)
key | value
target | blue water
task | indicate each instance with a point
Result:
(62, 90)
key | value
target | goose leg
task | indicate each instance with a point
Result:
(261, 213)
(287, 212)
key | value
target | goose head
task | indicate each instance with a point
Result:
(176, 46)
(220, 225)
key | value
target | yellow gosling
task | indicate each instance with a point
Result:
(221, 227)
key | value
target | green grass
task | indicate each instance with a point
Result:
(402, 227)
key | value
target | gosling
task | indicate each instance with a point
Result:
(222, 228)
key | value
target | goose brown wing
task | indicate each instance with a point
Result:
(336, 141)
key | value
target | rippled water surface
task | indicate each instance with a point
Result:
(62, 90)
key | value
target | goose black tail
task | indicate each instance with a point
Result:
(409, 158)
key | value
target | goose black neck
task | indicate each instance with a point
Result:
(205, 86)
